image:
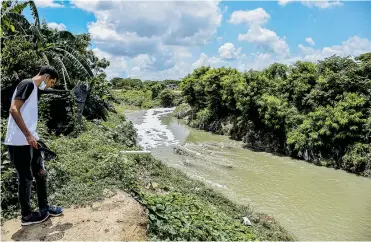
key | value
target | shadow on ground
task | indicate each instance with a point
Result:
(46, 231)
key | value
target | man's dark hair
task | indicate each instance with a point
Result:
(48, 70)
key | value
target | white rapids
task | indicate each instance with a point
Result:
(152, 133)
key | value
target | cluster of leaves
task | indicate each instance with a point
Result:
(58, 113)
(169, 98)
(176, 216)
(146, 94)
(315, 111)
(138, 98)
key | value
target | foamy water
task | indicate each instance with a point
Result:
(152, 133)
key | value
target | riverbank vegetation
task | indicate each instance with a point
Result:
(88, 148)
(320, 112)
(146, 94)
(179, 208)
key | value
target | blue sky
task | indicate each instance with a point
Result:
(159, 40)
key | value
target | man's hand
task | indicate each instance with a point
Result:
(32, 141)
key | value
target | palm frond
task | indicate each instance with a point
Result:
(45, 58)
(59, 66)
(34, 12)
(5, 5)
(64, 78)
(13, 8)
(82, 60)
(74, 61)
(36, 31)
(65, 35)
(15, 17)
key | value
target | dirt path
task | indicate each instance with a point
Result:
(118, 217)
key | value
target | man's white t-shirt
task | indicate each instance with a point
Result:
(27, 91)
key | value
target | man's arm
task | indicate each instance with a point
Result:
(15, 108)
(54, 91)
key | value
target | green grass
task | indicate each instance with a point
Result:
(136, 98)
(179, 208)
(121, 108)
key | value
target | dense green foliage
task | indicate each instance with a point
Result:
(318, 112)
(146, 94)
(167, 98)
(179, 217)
(138, 98)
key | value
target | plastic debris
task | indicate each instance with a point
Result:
(246, 221)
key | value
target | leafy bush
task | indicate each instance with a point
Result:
(357, 159)
(59, 113)
(176, 216)
(167, 98)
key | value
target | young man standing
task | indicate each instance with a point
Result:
(21, 140)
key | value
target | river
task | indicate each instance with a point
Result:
(312, 202)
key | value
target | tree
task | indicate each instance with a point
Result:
(167, 98)
(57, 48)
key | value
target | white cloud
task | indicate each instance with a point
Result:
(257, 16)
(228, 51)
(156, 40)
(322, 4)
(305, 50)
(265, 38)
(163, 31)
(142, 60)
(180, 52)
(256, 61)
(135, 70)
(179, 70)
(118, 65)
(310, 41)
(353, 46)
(204, 60)
(152, 24)
(48, 4)
(258, 35)
(314, 3)
(57, 26)
(284, 2)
